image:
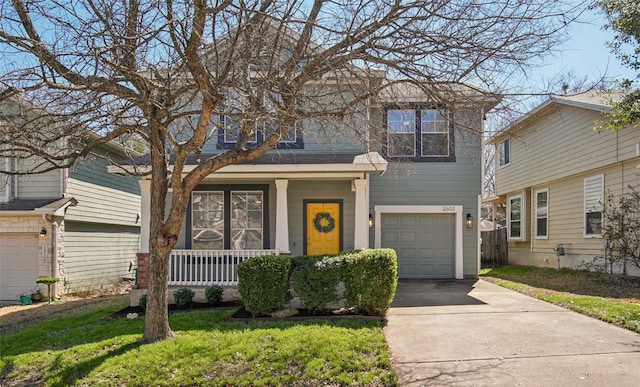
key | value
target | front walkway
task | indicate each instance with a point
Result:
(473, 333)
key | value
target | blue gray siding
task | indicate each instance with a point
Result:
(439, 183)
(97, 256)
(103, 197)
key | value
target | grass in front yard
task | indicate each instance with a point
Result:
(94, 349)
(611, 298)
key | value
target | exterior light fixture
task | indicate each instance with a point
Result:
(43, 233)
(469, 221)
(370, 221)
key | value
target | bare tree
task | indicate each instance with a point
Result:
(620, 225)
(162, 72)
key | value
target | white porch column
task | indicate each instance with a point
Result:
(361, 231)
(145, 214)
(282, 217)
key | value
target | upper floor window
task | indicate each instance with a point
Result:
(6, 181)
(229, 125)
(504, 151)
(542, 213)
(419, 134)
(593, 205)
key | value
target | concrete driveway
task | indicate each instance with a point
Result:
(474, 333)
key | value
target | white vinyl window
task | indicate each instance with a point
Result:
(593, 205)
(541, 206)
(435, 134)
(504, 152)
(271, 103)
(238, 215)
(515, 217)
(401, 132)
(246, 220)
(207, 224)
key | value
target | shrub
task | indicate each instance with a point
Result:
(316, 280)
(370, 280)
(263, 283)
(213, 293)
(183, 296)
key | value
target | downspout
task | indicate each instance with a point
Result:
(55, 264)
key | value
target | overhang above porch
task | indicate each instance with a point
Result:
(285, 164)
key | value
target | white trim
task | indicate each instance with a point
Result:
(145, 214)
(282, 217)
(522, 219)
(364, 163)
(361, 214)
(535, 213)
(444, 209)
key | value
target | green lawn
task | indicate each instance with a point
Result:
(94, 349)
(611, 298)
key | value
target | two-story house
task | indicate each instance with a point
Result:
(81, 225)
(412, 182)
(554, 172)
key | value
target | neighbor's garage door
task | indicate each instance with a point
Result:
(424, 243)
(18, 265)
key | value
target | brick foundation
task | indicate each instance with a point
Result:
(143, 270)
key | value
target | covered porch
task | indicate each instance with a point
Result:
(291, 179)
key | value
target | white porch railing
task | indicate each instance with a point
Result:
(209, 267)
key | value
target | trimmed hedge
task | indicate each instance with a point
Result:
(263, 283)
(315, 280)
(370, 280)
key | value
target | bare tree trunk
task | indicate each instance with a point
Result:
(156, 326)
(157, 315)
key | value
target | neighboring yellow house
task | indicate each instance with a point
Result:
(554, 171)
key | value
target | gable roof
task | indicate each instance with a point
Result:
(591, 100)
(439, 93)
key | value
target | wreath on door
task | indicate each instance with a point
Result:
(324, 217)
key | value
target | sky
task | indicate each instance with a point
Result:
(585, 53)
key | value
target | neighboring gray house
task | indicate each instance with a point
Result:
(81, 225)
(553, 172)
(416, 189)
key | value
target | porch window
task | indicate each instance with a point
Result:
(542, 213)
(207, 219)
(246, 220)
(419, 135)
(514, 212)
(228, 218)
(593, 205)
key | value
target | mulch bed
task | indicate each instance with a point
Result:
(242, 315)
(173, 308)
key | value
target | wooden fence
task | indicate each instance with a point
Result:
(494, 248)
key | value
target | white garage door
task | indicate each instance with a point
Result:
(18, 265)
(425, 243)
